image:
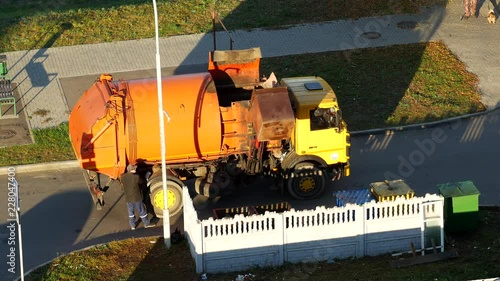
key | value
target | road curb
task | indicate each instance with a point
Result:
(48, 166)
(427, 125)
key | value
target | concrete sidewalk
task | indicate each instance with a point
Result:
(37, 72)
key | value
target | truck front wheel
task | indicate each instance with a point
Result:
(307, 181)
(174, 197)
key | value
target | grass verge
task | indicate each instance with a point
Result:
(28, 25)
(51, 144)
(379, 87)
(139, 259)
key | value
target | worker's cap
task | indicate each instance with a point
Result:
(131, 168)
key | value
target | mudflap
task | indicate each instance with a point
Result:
(335, 174)
(94, 186)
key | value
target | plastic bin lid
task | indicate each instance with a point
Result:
(463, 188)
(391, 188)
(355, 196)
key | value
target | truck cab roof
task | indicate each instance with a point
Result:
(310, 91)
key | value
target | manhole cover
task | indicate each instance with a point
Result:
(407, 24)
(7, 134)
(371, 35)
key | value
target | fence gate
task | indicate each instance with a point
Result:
(432, 237)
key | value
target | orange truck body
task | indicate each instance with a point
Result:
(117, 122)
(219, 125)
(194, 132)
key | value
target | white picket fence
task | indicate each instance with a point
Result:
(271, 239)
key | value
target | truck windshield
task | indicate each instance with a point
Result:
(324, 118)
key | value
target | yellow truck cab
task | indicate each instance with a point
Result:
(319, 130)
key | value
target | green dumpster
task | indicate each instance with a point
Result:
(461, 206)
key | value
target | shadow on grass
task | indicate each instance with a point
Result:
(166, 264)
(354, 71)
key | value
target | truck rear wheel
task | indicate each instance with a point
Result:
(307, 181)
(174, 194)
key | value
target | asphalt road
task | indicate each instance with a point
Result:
(58, 215)
(467, 149)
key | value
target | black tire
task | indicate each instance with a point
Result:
(307, 181)
(174, 192)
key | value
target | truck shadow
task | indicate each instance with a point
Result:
(48, 229)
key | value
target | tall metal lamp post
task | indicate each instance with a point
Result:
(166, 215)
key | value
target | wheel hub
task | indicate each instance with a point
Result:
(158, 199)
(307, 184)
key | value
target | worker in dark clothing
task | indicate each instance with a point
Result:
(132, 184)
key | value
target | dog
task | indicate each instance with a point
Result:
(492, 17)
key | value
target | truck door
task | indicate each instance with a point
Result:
(323, 131)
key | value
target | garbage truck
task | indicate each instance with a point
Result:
(223, 124)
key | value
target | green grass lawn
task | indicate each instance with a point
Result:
(51, 144)
(35, 24)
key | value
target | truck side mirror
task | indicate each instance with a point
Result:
(338, 118)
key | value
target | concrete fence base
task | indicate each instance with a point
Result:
(323, 234)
